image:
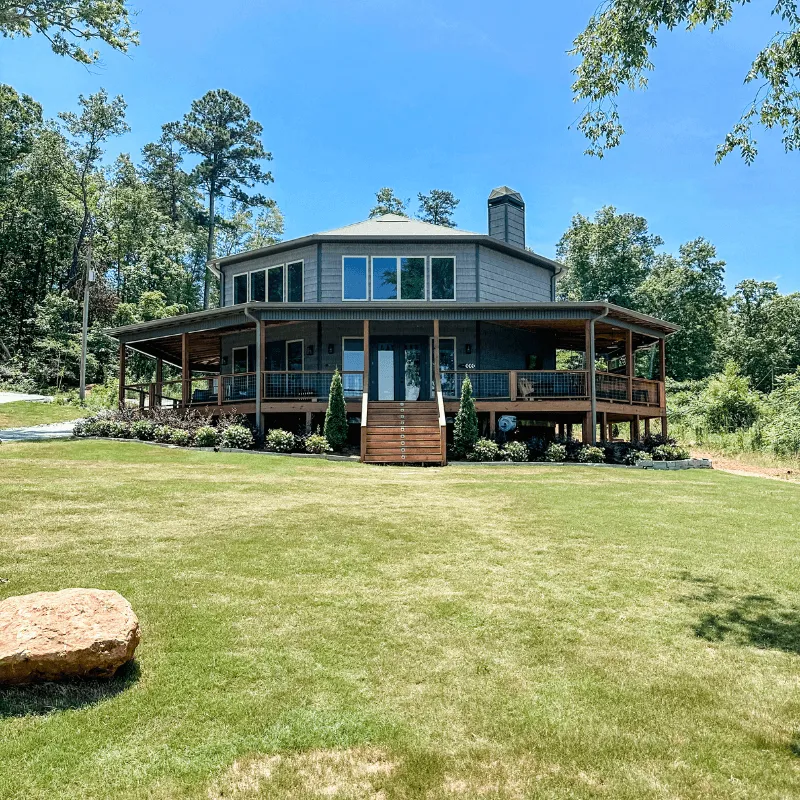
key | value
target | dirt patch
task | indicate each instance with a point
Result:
(355, 774)
(738, 467)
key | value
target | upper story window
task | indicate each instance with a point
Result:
(384, 278)
(294, 282)
(239, 289)
(443, 278)
(258, 286)
(354, 277)
(412, 278)
(390, 273)
(275, 284)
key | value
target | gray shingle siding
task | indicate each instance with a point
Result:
(508, 279)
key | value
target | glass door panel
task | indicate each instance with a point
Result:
(413, 371)
(386, 372)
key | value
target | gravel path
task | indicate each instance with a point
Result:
(13, 397)
(38, 433)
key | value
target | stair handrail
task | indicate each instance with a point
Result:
(442, 424)
(364, 406)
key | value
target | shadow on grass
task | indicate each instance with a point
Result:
(45, 698)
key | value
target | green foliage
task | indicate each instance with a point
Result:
(278, 440)
(336, 415)
(555, 452)
(782, 433)
(69, 25)
(669, 452)
(143, 429)
(607, 257)
(317, 443)
(515, 451)
(387, 202)
(728, 403)
(162, 433)
(205, 436)
(465, 428)
(181, 437)
(485, 450)
(237, 436)
(615, 52)
(591, 455)
(119, 429)
(438, 207)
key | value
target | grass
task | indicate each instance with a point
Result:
(23, 413)
(315, 629)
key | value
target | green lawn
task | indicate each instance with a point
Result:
(23, 413)
(315, 629)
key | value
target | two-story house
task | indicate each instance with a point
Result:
(406, 310)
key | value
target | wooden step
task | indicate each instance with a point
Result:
(399, 459)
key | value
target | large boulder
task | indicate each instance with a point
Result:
(74, 633)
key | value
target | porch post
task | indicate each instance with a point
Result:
(436, 374)
(365, 387)
(646, 427)
(629, 362)
(492, 423)
(159, 380)
(260, 353)
(591, 377)
(185, 372)
(604, 427)
(662, 374)
(569, 430)
(635, 429)
(122, 355)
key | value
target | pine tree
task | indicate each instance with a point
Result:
(336, 415)
(465, 431)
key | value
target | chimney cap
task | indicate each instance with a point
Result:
(506, 192)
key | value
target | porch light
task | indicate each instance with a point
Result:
(331, 349)
(310, 350)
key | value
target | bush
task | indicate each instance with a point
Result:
(555, 452)
(181, 437)
(317, 443)
(591, 455)
(485, 450)
(515, 451)
(669, 452)
(728, 402)
(237, 436)
(98, 427)
(143, 429)
(278, 440)
(80, 428)
(119, 430)
(465, 427)
(205, 436)
(162, 433)
(336, 415)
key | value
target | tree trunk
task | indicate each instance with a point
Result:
(210, 246)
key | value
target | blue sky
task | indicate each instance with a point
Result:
(359, 94)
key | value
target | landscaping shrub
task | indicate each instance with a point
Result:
(336, 415)
(465, 428)
(485, 450)
(205, 436)
(669, 452)
(143, 429)
(591, 455)
(237, 436)
(181, 437)
(278, 440)
(317, 443)
(100, 426)
(537, 447)
(515, 451)
(80, 428)
(555, 452)
(162, 433)
(728, 402)
(118, 430)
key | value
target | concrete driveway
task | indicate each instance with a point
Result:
(13, 397)
(38, 433)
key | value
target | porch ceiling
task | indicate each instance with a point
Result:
(571, 334)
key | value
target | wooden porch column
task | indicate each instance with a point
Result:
(662, 375)
(186, 382)
(635, 429)
(586, 428)
(437, 376)
(151, 396)
(604, 427)
(646, 427)
(308, 420)
(365, 388)
(629, 362)
(122, 354)
(260, 358)
(492, 423)
(159, 380)
(590, 366)
(569, 430)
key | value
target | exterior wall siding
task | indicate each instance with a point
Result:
(504, 278)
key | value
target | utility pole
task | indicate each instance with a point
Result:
(85, 329)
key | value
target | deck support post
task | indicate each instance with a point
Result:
(569, 430)
(629, 362)
(186, 382)
(586, 428)
(121, 393)
(159, 380)
(365, 387)
(260, 358)
(492, 423)
(635, 428)
(662, 375)
(646, 427)
(590, 365)
(308, 421)
(604, 427)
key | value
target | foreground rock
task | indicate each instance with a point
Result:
(74, 633)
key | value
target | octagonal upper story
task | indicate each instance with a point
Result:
(392, 258)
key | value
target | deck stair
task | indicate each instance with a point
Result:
(403, 433)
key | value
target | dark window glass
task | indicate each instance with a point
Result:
(443, 279)
(239, 360)
(384, 278)
(239, 289)
(354, 283)
(275, 285)
(412, 278)
(294, 282)
(294, 356)
(258, 286)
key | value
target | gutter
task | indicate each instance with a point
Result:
(593, 375)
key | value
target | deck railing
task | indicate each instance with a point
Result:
(310, 385)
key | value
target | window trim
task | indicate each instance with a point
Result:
(233, 359)
(367, 281)
(266, 284)
(302, 263)
(250, 285)
(398, 275)
(455, 282)
(246, 276)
